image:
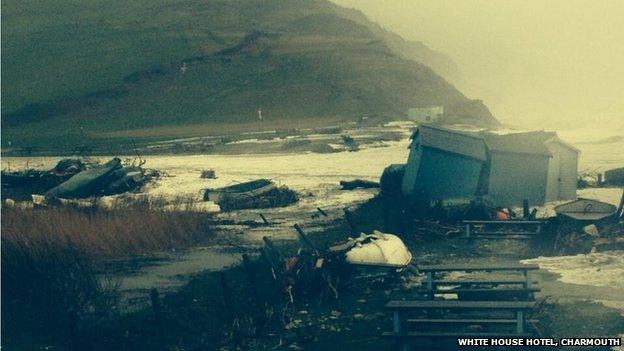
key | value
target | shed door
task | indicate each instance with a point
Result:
(554, 178)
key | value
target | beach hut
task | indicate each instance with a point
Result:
(518, 167)
(444, 163)
(563, 170)
(505, 168)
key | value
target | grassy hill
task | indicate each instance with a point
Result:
(74, 70)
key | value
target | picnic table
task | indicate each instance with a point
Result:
(403, 332)
(507, 229)
(523, 285)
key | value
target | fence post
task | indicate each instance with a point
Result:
(304, 239)
(525, 208)
(264, 219)
(322, 212)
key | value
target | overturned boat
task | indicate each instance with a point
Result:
(377, 249)
(586, 210)
(240, 192)
(259, 193)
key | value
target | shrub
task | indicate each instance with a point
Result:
(49, 288)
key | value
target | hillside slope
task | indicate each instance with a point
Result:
(115, 65)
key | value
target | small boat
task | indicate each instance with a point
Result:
(586, 210)
(240, 192)
(378, 249)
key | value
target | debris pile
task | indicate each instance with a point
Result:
(595, 179)
(615, 177)
(73, 179)
(351, 144)
(322, 274)
(358, 183)
(260, 193)
(21, 184)
(108, 179)
(208, 174)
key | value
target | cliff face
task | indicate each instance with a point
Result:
(113, 65)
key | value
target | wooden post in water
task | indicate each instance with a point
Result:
(264, 219)
(304, 239)
(264, 253)
(525, 208)
(271, 249)
(321, 211)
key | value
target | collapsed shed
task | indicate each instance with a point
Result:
(444, 164)
(504, 168)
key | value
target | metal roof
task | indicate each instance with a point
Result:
(556, 139)
(475, 144)
(532, 143)
(469, 144)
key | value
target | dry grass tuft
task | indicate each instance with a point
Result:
(99, 233)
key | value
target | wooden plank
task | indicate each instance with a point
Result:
(456, 304)
(520, 321)
(503, 233)
(451, 335)
(466, 321)
(303, 238)
(475, 267)
(503, 237)
(503, 222)
(485, 290)
(481, 282)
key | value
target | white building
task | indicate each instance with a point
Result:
(425, 114)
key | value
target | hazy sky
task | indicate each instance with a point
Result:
(538, 62)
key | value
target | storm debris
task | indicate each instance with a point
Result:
(110, 178)
(358, 183)
(260, 193)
